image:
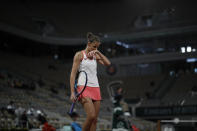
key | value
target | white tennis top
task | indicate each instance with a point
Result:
(90, 67)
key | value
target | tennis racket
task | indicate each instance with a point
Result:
(77, 94)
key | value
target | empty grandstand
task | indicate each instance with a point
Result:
(152, 46)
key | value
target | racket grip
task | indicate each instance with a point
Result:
(71, 109)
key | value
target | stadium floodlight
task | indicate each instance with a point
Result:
(189, 48)
(182, 49)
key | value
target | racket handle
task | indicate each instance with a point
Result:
(71, 109)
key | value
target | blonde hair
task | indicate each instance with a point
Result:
(92, 38)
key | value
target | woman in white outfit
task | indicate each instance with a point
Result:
(87, 60)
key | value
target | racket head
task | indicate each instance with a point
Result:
(85, 80)
(77, 94)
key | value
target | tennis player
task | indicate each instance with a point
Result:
(86, 60)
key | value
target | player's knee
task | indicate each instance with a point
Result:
(95, 121)
(92, 117)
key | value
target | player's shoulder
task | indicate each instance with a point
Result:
(79, 54)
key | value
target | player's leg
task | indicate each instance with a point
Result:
(90, 113)
(97, 108)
